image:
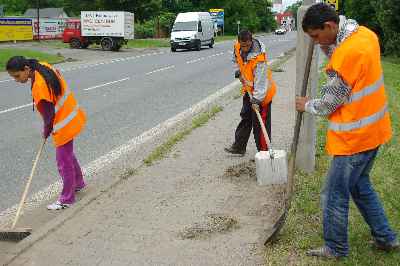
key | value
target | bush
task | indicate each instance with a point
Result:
(144, 30)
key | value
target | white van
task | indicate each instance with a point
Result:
(192, 30)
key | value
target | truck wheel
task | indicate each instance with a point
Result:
(85, 45)
(106, 44)
(75, 43)
(211, 43)
(116, 47)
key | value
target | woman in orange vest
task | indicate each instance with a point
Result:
(256, 78)
(355, 103)
(62, 118)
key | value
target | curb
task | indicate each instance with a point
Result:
(161, 131)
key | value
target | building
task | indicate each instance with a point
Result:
(46, 13)
(285, 20)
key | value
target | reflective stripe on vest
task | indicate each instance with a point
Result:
(339, 127)
(62, 100)
(367, 90)
(66, 120)
(248, 82)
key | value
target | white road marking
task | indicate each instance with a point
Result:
(159, 70)
(6, 80)
(16, 108)
(105, 84)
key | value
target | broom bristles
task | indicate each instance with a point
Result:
(15, 235)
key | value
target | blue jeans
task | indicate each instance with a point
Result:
(349, 175)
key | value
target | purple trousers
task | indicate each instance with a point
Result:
(70, 172)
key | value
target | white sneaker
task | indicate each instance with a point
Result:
(57, 206)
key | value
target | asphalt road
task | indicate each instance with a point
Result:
(122, 99)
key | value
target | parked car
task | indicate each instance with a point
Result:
(280, 31)
(192, 30)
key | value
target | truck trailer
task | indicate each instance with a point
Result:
(110, 29)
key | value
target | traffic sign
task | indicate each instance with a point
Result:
(333, 3)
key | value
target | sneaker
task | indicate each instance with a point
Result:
(78, 189)
(322, 252)
(57, 206)
(234, 150)
(391, 246)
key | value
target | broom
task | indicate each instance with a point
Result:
(292, 161)
(17, 234)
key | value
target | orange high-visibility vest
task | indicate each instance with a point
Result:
(69, 118)
(247, 70)
(362, 123)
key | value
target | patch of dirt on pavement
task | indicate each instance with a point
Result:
(246, 170)
(215, 223)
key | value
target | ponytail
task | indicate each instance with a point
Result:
(18, 63)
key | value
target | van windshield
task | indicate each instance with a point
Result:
(185, 26)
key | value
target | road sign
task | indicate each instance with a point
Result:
(333, 3)
(217, 15)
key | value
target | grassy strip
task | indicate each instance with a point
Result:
(148, 43)
(162, 150)
(277, 64)
(6, 53)
(225, 38)
(303, 228)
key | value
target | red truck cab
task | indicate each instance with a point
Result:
(73, 35)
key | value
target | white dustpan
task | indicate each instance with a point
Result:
(271, 165)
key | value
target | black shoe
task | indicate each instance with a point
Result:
(234, 150)
(392, 246)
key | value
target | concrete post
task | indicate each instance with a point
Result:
(305, 158)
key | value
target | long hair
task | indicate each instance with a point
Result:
(18, 63)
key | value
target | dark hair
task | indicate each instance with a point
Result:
(18, 63)
(317, 15)
(245, 35)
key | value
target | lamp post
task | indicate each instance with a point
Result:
(238, 26)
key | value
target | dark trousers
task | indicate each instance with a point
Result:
(249, 121)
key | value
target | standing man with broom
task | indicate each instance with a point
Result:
(355, 103)
(256, 78)
(62, 118)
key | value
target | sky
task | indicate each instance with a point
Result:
(286, 3)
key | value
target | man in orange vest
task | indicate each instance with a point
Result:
(256, 78)
(355, 103)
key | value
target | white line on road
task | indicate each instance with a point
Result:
(159, 70)
(16, 108)
(6, 80)
(105, 84)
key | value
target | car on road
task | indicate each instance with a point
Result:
(280, 31)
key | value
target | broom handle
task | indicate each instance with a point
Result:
(21, 203)
(299, 118)
(264, 130)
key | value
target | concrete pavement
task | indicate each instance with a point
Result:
(197, 206)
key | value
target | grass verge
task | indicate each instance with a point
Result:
(6, 53)
(148, 43)
(277, 64)
(303, 228)
(162, 150)
(225, 38)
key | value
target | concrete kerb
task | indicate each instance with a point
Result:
(146, 142)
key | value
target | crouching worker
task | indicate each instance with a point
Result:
(256, 78)
(62, 118)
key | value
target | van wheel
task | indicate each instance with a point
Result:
(198, 46)
(173, 49)
(106, 44)
(75, 44)
(211, 45)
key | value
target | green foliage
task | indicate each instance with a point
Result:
(254, 15)
(144, 30)
(382, 16)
